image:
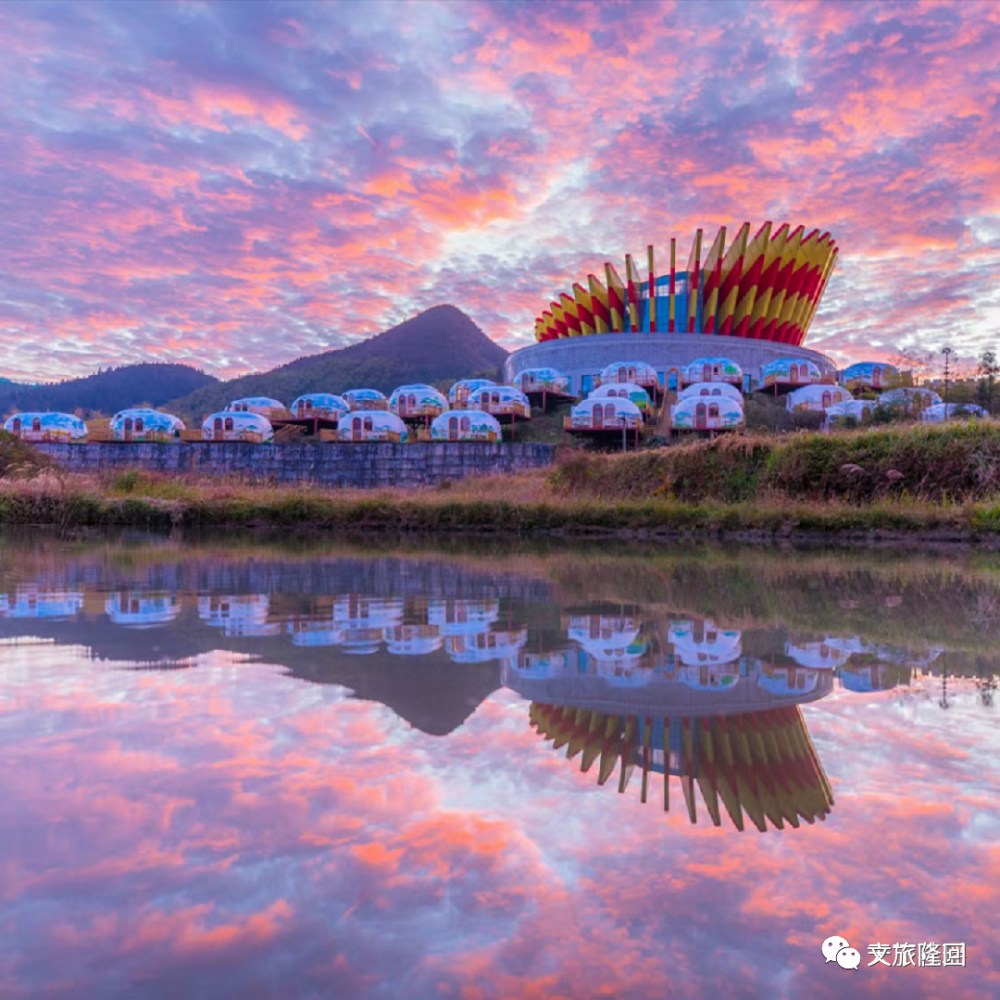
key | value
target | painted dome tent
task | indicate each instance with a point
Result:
(869, 375)
(56, 428)
(624, 390)
(319, 406)
(417, 401)
(852, 409)
(939, 412)
(712, 370)
(145, 424)
(816, 397)
(505, 401)
(542, 380)
(262, 405)
(699, 413)
(789, 373)
(365, 399)
(458, 394)
(372, 426)
(636, 372)
(697, 389)
(609, 413)
(231, 425)
(466, 425)
(910, 399)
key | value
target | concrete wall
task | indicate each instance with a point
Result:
(579, 356)
(365, 466)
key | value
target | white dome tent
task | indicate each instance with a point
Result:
(939, 412)
(144, 424)
(232, 425)
(372, 426)
(624, 390)
(466, 425)
(816, 397)
(711, 389)
(698, 413)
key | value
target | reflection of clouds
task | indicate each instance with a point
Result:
(30, 601)
(237, 616)
(141, 610)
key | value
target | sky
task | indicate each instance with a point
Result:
(232, 185)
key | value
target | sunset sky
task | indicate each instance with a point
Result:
(232, 185)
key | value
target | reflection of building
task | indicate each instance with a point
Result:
(307, 631)
(242, 615)
(824, 655)
(142, 610)
(364, 620)
(483, 647)
(613, 646)
(761, 765)
(31, 602)
(456, 616)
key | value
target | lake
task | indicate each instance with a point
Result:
(265, 766)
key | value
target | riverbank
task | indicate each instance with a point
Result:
(912, 485)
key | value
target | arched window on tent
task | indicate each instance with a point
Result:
(16, 427)
(713, 411)
(453, 428)
(632, 376)
(411, 402)
(466, 424)
(495, 399)
(706, 373)
(793, 374)
(368, 423)
(609, 413)
(716, 392)
(229, 423)
(700, 416)
(827, 400)
(138, 425)
(598, 418)
(36, 424)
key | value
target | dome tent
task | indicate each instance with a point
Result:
(910, 399)
(869, 375)
(852, 409)
(712, 370)
(542, 379)
(365, 399)
(938, 413)
(458, 394)
(57, 428)
(624, 390)
(466, 425)
(637, 372)
(816, 397)
(263, 405)
(501, 401)
(144, 424)
(372, 425)
(231, 425)
(711, 389)
(790, 371)
(611, 412)
(707, 414)
(417, 400)
(320, 406)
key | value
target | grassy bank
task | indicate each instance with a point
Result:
(941, 483)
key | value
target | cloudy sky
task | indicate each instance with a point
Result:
(235, 184)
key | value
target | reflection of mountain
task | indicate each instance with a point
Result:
(759, 764)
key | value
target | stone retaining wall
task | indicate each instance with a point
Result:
(365, 466)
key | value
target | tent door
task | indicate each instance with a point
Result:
(700, 417)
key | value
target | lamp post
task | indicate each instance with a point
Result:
(947, 352)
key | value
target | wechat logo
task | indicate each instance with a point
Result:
(836, 949)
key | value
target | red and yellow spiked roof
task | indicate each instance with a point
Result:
(767, 287)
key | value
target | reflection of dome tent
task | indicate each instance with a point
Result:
(372, 425)
(359, 612)
(759, 763)
(955, 411)
(787, 680)
(624, 390)
(701, 389)
(698, 642)
(707, 677)
(610, 412)
(466, 425)
(238, 615)
(709, 414)
(603, 631)
(816, 397)
(141, 610)
(412, 640)
(865, 678)
(482, 647)
(458, 394)
(314, 632)
(320, 406)
(869, 375)
(30, 602)
(543, 666)
(60, 428)
(263, 405)
(458, 616)
(366, 399)
(712, 370)
(823, 655)
(237, 426)
(144, 424)
(417, 400)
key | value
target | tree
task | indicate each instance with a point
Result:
(989, 369)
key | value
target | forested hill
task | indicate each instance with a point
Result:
(107, 391)
(439, 344)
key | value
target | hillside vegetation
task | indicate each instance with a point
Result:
(106, 392)
(439, 344)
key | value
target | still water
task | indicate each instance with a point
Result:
(265, 768)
